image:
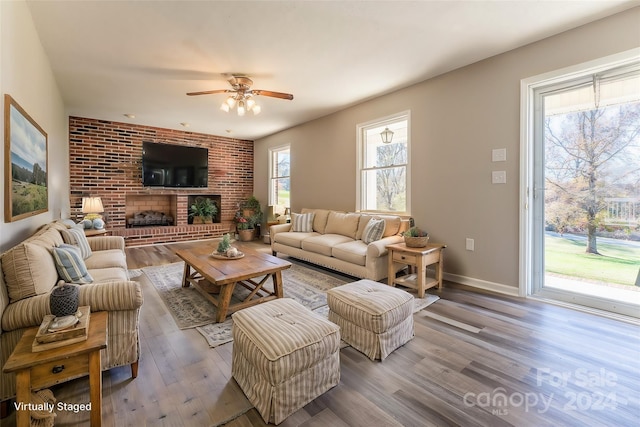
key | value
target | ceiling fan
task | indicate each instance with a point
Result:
(242, 95)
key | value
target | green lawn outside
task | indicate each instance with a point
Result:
(616, 264)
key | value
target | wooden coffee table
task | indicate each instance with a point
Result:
(217, 278)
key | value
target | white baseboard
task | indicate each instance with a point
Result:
(483, 284)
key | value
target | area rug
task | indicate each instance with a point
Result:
(191, 310)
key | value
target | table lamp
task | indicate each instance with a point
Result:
(92, 207)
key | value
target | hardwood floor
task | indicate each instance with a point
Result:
(478, 359)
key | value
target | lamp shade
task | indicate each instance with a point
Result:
(92, 205)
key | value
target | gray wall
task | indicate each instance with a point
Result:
(25, 74)
(456, 120)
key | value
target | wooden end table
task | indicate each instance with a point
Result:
(420, 259)
(38, 370)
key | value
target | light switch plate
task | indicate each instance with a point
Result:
(499, 155)
(499, 177)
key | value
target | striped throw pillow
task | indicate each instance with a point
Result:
(373, 231)
(75, 236)
(70, 265)
(302, 222)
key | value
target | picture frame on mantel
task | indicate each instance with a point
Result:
(26, 164)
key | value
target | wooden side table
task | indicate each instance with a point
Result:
(92, 232)
(420, 258)
(37, 370)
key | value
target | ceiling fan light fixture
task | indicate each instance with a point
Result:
(225, 107)
(231, 101)
(256, 109)
(250, 103)
(241, 109)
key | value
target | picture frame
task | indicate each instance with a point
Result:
(26, 156)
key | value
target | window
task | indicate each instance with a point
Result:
(279, 174)
(383, 167)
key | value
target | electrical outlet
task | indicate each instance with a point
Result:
(499, 177)
(470, 244)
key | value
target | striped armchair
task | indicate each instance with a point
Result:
(28, 276)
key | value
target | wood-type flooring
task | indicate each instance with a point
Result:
(477, 359)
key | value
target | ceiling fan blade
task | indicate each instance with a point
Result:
(272, 94)
(209, 92)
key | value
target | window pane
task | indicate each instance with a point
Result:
(281, 163)
(385, 189)
(281, 196)
(379, 154)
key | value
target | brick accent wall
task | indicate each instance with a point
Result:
(105, 160)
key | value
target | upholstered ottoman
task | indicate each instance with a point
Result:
(374, 318)
(284, 356)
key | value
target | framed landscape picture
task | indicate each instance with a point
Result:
(25, 156)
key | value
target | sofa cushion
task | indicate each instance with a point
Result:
(106, 259)
(373, 231)
(302, 222)
(319, 219)
(101, 275)
(75, 236)
(354, 252)
(47, 238)
(289, 238)
(324, 243)
(70, 265)
(345, 224)
(392, 224)
(29, 270)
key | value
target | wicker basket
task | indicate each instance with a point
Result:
(416, 242)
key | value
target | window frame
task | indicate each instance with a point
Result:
(361, 130)
(273, 152)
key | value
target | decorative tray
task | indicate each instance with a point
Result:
(220, 256)
(56, 332)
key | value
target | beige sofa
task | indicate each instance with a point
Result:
(336, 241)
(28, 276)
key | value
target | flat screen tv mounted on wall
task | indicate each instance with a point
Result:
(172, 165)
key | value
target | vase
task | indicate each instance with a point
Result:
(246, 235)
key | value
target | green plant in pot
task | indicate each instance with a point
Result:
(203, 210)
(415, 237)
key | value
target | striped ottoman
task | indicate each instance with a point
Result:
(284, 356)
(374, 318)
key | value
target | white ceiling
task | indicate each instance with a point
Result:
(112, 58)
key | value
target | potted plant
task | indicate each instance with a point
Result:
(245, 231)
(415, 237)
(203, 210)
(251, 212)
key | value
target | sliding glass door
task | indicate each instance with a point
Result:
(584, 189)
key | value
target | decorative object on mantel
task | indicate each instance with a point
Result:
(64, 299)
(415, 237)
(92, 207)
(203, 210)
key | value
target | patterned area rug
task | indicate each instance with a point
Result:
(191, 310)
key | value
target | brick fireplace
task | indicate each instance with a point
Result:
(105, 161)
